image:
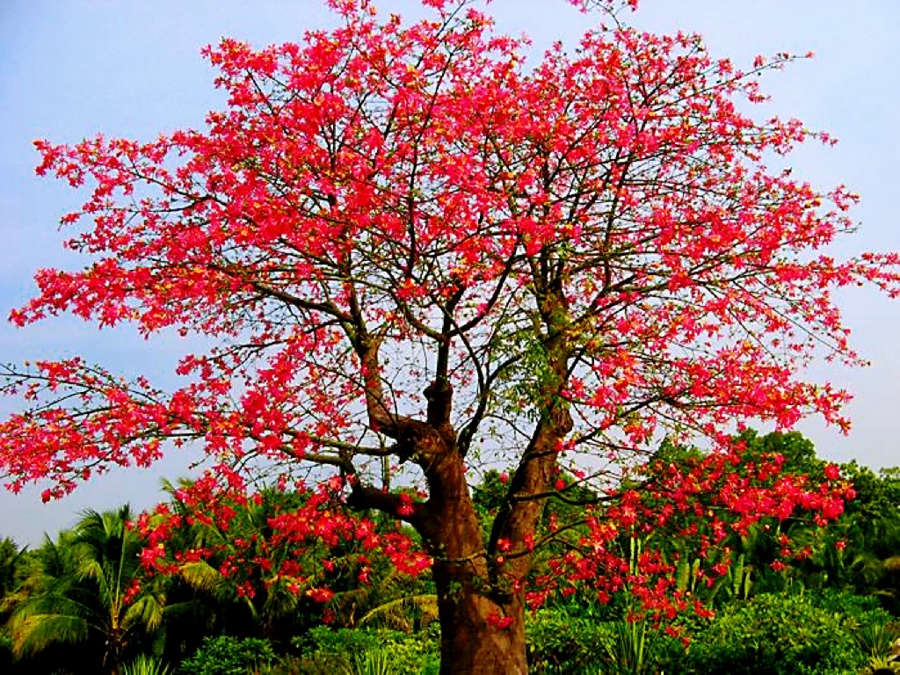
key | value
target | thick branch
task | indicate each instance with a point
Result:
(364, 497)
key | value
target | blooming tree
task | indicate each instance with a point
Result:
(415, 252)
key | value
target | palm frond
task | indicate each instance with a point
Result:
(146, 611)
(201, 576)
(396, 613)
(32, 633)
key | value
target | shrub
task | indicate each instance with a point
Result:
(558, 642)
(782, 635)
(327, 651)
(225, 655)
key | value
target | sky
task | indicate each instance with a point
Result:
(71, 68)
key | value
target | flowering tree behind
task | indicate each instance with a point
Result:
(414, 252)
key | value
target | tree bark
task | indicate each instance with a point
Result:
(473, 641)
(482, 625)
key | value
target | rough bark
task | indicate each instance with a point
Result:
(472, 642)
(474, 638)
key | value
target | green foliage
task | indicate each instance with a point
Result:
(634, 648)
(374, 662)
(364, 651)
(870, 533)
(783, 635)
(835, 621)
(11, 558)
(859, 609)
(559, 643)
(403, 613)
(225, 655)
(878, 640)
(145, 665)
(562, 643)
(328, 640)
(390, 599)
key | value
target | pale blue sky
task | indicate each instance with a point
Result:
(70, 68)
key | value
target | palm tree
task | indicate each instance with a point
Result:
(12, 564)
(91, 591)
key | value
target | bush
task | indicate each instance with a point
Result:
(866, 610)
(225, 655)
(327, 651)
(783, 635)
(559, 643)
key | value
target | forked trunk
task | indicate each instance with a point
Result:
(482, 616)
(479, 583)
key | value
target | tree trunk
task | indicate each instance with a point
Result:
(475, 639)
(482, 616)
(479, 584)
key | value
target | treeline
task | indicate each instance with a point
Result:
(90, 600)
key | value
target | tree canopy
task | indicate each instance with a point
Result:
(415, 251)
